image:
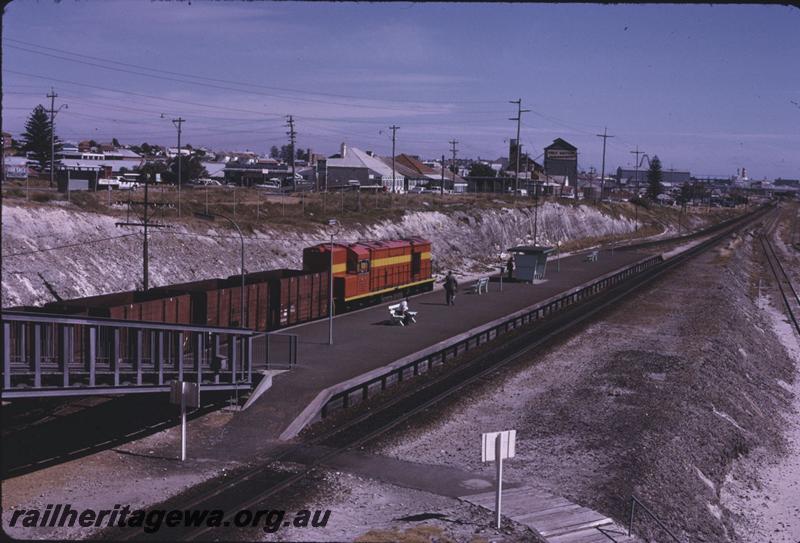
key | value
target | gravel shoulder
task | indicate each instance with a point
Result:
(763, 491)
(365, 510)
(139, 474)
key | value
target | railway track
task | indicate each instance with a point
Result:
(788, 293)
(634, 245)
(255, 486)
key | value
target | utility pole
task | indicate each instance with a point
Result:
(453, 143)
(53, 112)
(393, 128)
(178, 124)
(637, 152)
(292, 134)
(535, 203)
(441, 189)
(518, 118)
(145, 251)
(605, 136)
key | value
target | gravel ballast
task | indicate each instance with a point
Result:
(659, 400)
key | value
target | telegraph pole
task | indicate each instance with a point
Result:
(518, 118)
(637, 152)
(605, 136)
(145, 251)
(453, 143)
(53, 112)
(441, 189)
(178, 124)
(292, 135)
(393, 128)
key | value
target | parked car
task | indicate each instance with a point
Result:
(204, 181)
(128, 185)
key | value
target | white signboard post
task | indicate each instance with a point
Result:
(186, 395)
(495, 446)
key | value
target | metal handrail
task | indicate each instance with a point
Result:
(634, 501)
(608, 531)
(48, 318)
(293, 344)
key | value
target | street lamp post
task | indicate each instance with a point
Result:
(211, 217)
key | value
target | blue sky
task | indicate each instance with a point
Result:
(707, 88)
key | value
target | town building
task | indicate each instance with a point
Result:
(352, 167)
(561, 162)
(430, 174)
(629, 178)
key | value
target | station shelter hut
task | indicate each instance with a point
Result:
(530, 262)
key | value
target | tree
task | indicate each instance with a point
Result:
(654, 178)
(150, 169)
(274, 152)
(479, 169)
(115, 142)
(191, 168)
(686, 194)
(36, 138)
(302, 154)
(286, 153)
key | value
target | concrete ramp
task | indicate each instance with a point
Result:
(264, 385)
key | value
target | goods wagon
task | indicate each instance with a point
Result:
(371, 271)
(166, 306)
(272, 299)
(363, 273)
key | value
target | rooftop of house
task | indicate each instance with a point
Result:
(115, 165)
(124, 153)
(402, 169)
(354, 157)
(414, 163)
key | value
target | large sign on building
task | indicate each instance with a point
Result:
(560, 154)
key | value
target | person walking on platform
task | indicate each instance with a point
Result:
(510, 267)
(450, 287)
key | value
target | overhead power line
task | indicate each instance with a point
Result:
(170, 76)
(247, 84)
(68, 246)
(150, 96)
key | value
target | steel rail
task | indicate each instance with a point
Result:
(782, 279)
(690, 236)
(480, 367)
(636, 501)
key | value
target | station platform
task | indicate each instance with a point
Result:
(364, 342)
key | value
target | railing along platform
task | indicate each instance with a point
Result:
(55, 355)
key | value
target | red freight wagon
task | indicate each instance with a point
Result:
(204, 301)
(132, 305)
(300, 297)
(363, 273)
